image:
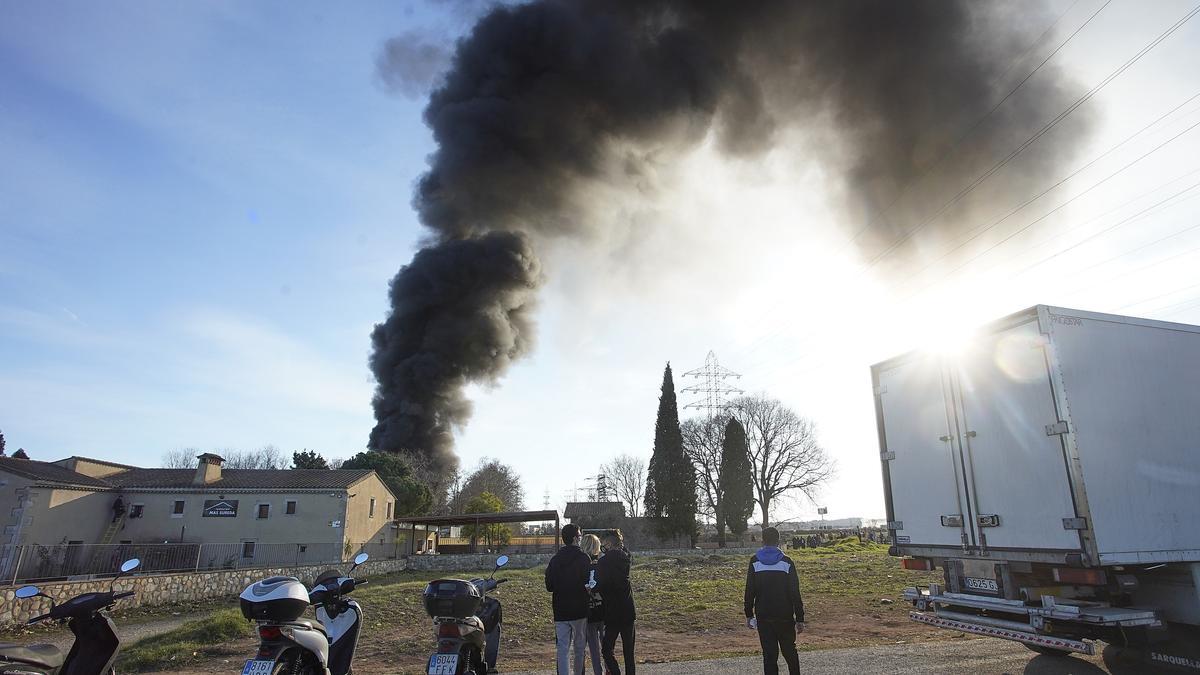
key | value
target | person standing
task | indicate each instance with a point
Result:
(118, 508)
(773, 604)
(595, 624)
(612, 582)
(566, 579)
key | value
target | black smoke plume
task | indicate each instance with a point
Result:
(547, 103)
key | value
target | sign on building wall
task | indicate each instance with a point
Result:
(220, 508)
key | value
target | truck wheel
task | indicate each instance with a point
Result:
(1048, 651)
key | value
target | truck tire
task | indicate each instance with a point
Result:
(1048, 651)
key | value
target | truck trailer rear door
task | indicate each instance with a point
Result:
(1016, 462)
(921, 454)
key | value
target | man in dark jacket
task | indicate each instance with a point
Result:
(566, 578)
(773, 602)
(612, 582)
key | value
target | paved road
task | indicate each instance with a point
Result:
(983, 655)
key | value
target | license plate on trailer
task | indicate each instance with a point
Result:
(443, 664)
(976, 584)
(258, 668)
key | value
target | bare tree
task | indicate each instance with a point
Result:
(702, 439)
(266, 457)
(180, 458)
(627, 475)
(785, 456)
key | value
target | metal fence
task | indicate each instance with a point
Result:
(36, 562)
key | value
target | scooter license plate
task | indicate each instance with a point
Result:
(443, 664)
(258, 668)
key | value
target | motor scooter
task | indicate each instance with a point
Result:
(96, 641)
(467, 624)
(288, 644)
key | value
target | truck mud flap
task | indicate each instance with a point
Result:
(1064, 644)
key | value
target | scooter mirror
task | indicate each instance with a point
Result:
(361, 558)
(27, 591)
(502, 561)
(130, 565)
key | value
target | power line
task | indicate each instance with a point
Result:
(924, 170)
(1037, 135)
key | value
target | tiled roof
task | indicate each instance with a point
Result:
(594, 510)
(47, 472)
(231, 479)
(234, 479)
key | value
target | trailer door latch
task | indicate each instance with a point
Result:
(887, 456)
(991, 520)
(895, 525)
(1057, 428)
(953, 520)
(1074, 523)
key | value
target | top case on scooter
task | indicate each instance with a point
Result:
(275, 599)
(452, 598)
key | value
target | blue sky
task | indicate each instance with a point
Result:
(201, 205)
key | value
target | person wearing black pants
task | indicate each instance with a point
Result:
(612, 583)
(773, 604)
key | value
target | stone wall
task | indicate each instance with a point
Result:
(161, 589)
(474, 562)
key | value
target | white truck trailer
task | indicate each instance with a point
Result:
(1051, 470)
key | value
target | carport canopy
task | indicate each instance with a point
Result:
(483, 519)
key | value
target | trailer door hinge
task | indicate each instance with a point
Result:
(991, 520)
(895, 525)
(881, 389)
(945, 439)
(1057, 428)
(1074, 523)
(887, 456)
(952, 520)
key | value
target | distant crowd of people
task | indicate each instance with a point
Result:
(874, 535)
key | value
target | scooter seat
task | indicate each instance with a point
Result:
(312, 625)
(47, 656)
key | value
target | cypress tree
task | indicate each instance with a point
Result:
(671, 480)
(736, 486)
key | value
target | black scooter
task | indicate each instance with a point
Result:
(96, 641)
(467, 624)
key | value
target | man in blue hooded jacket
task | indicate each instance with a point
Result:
(773, 603)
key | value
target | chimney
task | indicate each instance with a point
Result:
(209, 469)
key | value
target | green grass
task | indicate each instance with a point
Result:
(694, 599)
(191, 643)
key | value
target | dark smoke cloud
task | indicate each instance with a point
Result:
(410, 65)
(548, 103)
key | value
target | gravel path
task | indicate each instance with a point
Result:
(983, 655)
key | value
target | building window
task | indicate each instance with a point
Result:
(247, 549)
(264, 511)
(177, 509)
(136, 510)
(371, 510)
(389, 511)
(290, 508)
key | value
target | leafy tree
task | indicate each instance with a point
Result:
(495, 534)
(1, 443)
(412, 496)
(493, 477)
(736, 484)
(308, 459)
(671, 480)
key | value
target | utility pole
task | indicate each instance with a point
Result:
(714, 391)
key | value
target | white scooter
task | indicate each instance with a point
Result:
(291, 646)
